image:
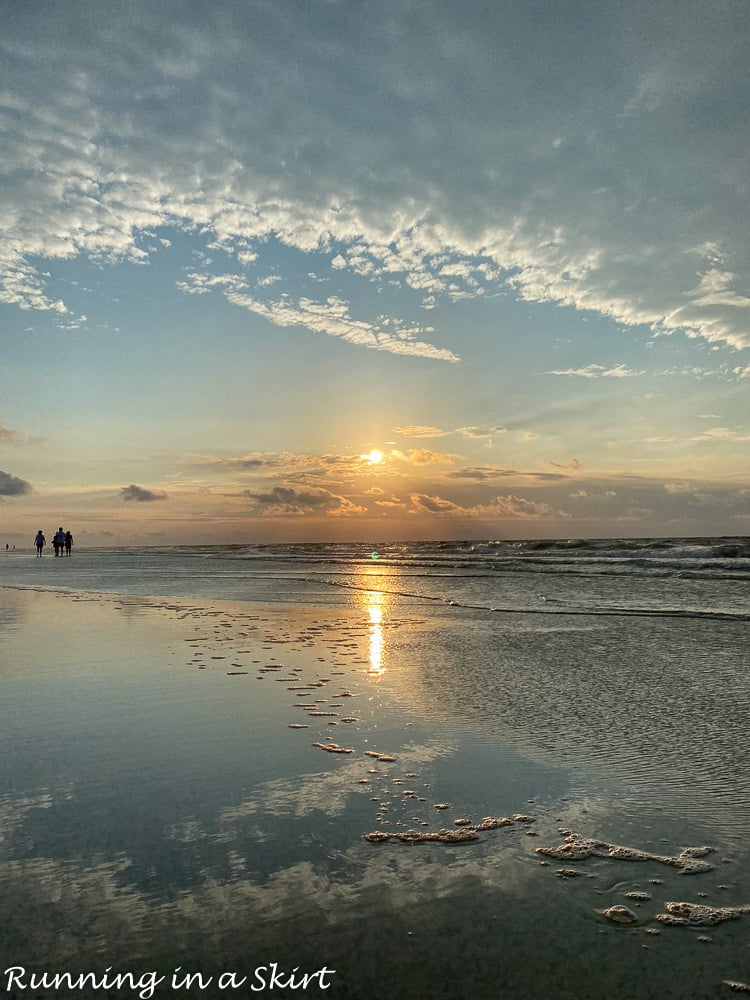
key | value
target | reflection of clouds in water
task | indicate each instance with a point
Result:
(655, 703)
(326, 793)
(66, 899)
(60, 901)
(15, 809)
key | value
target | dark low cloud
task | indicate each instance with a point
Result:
(11, 486)
(426, 504)
(141, 494)
(287, 500)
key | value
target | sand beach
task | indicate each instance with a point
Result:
(379, 798)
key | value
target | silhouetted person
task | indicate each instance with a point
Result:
(40, 541)
(68, 543)
(59, 541)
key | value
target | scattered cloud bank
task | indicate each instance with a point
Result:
(422, 151)
(504, 508)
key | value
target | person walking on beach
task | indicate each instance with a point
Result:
(68, 543)
(59, 541)
(40, 541)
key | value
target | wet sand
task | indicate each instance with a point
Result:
(166, 799)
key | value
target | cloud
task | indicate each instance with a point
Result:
(11, 486)
(421, 431)
(572, 466)
(481, 473)
(423, 456)
(481, 432)
(722, 434)
(421, 151)
(424, 504)
(332, 317)
(393, 504)
(518, 507)
(510, 506)
(10, 437)
(484, 473)
(287, 500)
(260, 461)
(597, 371)
(140, 494)
(196, 283)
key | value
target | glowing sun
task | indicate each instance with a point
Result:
(374, 457)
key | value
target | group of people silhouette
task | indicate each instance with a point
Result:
(62, 542)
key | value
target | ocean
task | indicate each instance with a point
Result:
(227, 759)
(701, 575)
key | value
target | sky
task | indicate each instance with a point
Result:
(325, 270)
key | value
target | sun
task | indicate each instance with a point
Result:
(374, 457)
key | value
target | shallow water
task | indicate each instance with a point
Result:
(157, 811)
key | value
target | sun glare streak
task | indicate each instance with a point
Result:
(377, 668)
(375, 602)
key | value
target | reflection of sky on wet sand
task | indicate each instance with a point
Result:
(651, 705)
(155, 806)
(67, 897)
(325, 793)
(391, 920)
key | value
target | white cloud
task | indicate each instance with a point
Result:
(722, 434)
(197, 283)
(332, 317)
(421, 431)
(597, 371)
(481, 432)
(420, 150)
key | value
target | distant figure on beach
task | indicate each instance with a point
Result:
(68, 543)
(40, 541)
(58, 541)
